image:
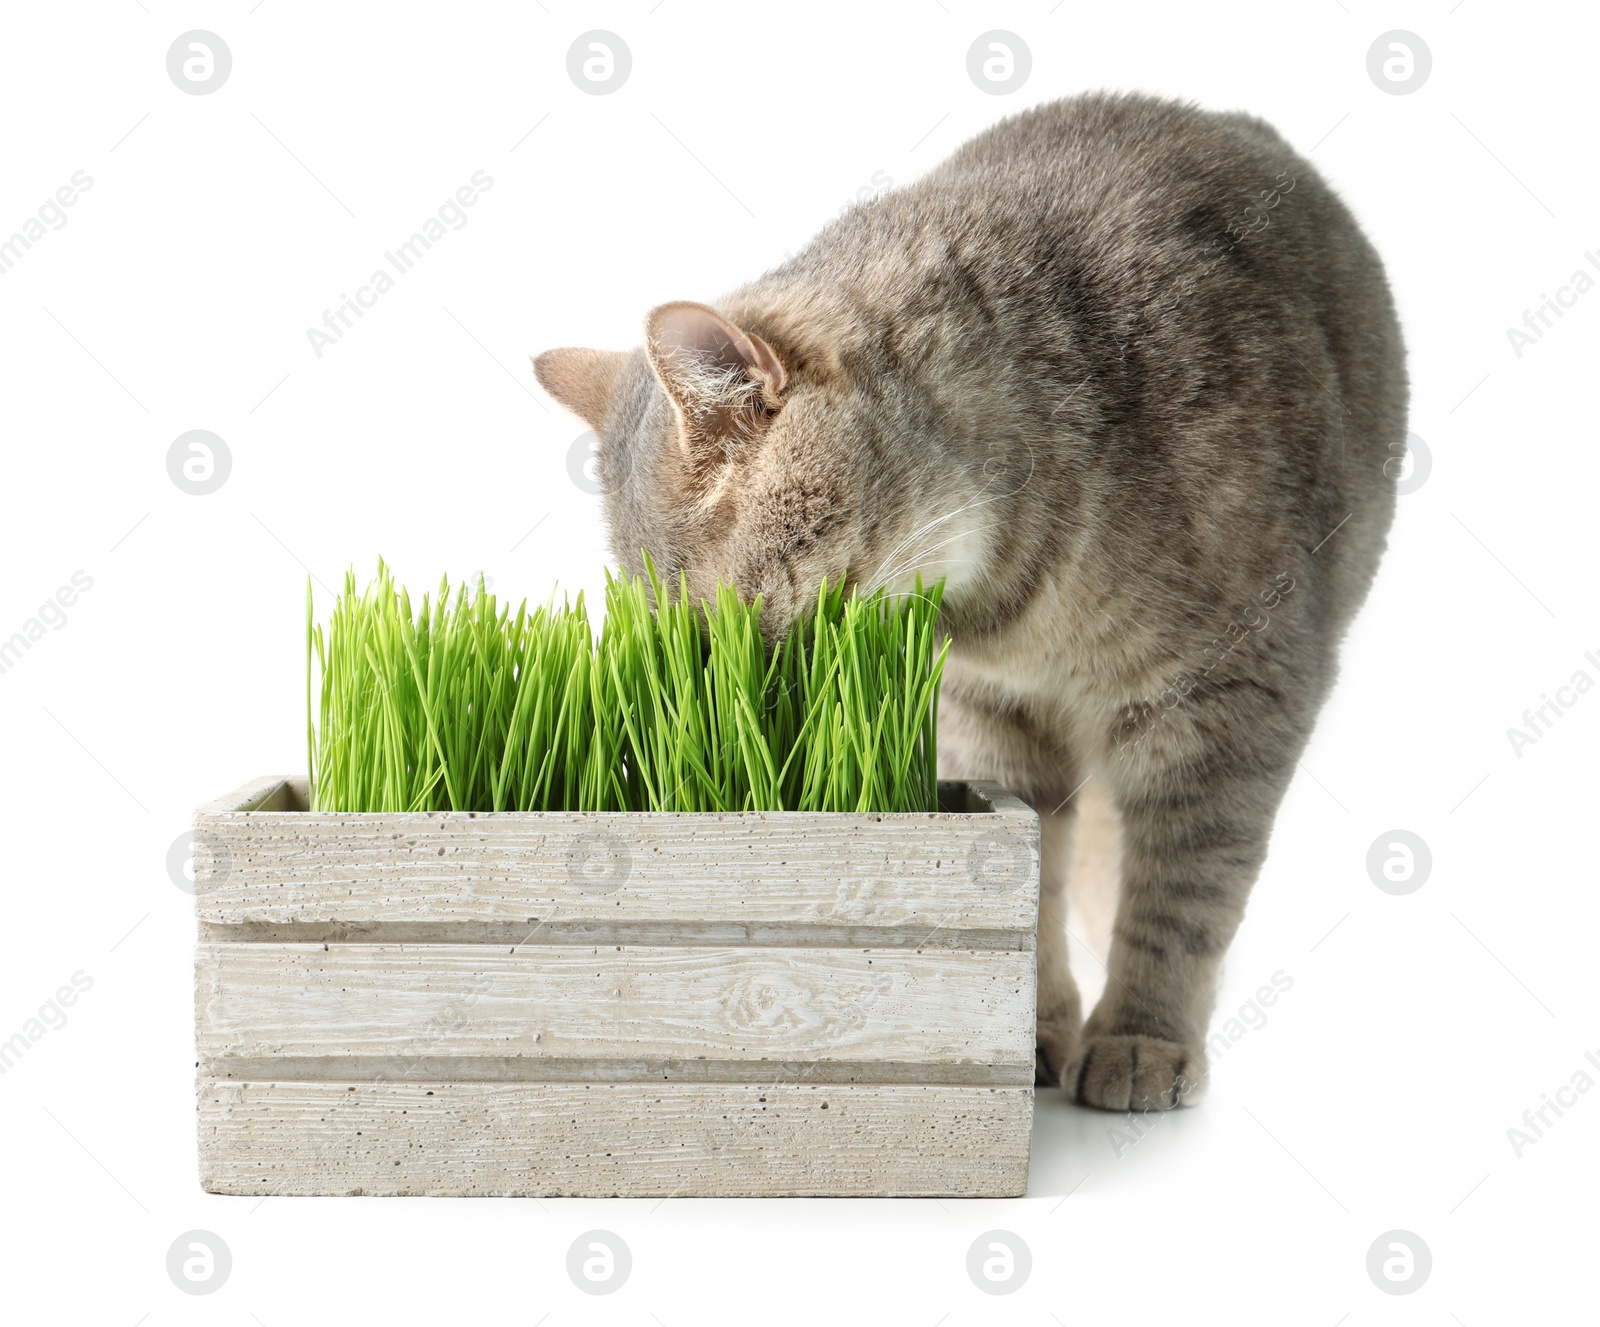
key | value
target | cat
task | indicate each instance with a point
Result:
(1127, 375)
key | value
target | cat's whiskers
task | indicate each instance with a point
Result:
(923, 558)
(898, 549)
(877, 578)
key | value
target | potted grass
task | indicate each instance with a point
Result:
(655, 909)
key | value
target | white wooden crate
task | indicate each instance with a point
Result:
(615, 1003)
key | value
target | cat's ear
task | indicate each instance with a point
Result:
(582, 380)
(725, 383)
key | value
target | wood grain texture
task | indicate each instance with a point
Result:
(603, 1140)
(967, 870)
(643, 1002)
(554, 1003)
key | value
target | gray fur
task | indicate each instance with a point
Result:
(1129, 375)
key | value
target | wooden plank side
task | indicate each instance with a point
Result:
(650, 1003)
(594, 934)
(271, 792)
(292, 792)
(606, 1139)
(960, 871)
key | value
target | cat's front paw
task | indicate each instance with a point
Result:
(1134, 1073)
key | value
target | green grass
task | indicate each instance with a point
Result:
(461, 705)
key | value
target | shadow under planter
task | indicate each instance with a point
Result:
(615, 1003)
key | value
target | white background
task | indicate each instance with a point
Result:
(177, 296)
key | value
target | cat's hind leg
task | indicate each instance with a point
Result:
(980, 739)
(1060, 1010)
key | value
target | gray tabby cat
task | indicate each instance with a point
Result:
(1129, 376)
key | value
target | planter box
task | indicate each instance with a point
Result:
(615, 1003)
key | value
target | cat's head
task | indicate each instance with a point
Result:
(724, 458)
